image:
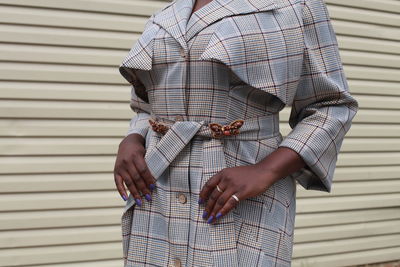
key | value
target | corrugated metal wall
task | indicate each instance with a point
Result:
(64, 108)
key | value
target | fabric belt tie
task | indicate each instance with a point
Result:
(160, 155)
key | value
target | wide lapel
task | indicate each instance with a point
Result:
(173, 19)
(218, 9)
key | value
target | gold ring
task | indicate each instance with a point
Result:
(235, 197)
(219, 189)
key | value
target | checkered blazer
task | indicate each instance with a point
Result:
(232, 59)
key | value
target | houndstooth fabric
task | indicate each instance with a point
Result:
(231, 59)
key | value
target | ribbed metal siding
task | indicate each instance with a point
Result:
(64, 108)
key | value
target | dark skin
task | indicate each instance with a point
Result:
(131, 169)
(199, 4)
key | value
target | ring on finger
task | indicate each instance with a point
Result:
(235, 197)
(219, 189)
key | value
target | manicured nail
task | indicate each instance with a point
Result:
(201, 201)
(124, 197)
(210, 219)
(139, 202)
(148, 197)
(152, 186)
(205, 214)
(219, 214)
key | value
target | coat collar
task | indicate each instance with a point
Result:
(176, 20)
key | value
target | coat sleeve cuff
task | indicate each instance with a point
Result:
(139, 124)
(314, 175)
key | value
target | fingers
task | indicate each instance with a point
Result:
(208, 187)
(144, 172)
(229, 205)
(220, 203)
(120, 186)
(131, 186)
(131, 168)
(216, 201)
(139, 181)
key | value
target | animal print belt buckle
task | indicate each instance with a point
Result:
(158, 126)
(219, 130)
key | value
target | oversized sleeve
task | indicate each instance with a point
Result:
(323, 108)
(139, 122)
(139, 58)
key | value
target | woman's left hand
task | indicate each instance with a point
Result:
(243, 181)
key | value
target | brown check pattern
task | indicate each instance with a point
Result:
(231, 60)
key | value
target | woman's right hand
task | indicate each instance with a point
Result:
(130, 168)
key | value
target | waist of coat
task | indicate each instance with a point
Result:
(253, 128)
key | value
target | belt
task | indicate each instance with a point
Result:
(175, 135)
(249, 129)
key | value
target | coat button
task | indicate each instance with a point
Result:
(182, 52)
(175, 263)
(178, 118)
(182, 198)
(178, 263)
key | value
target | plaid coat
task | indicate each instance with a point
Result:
(232, 59)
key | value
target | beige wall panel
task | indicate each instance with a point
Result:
(345, 231)
(366, 30)
(370, 59)
(53, 164)
(304, 220)
(57, 236)
(70, 19)
(346, 245)
(56, 182)
(66, 37)
(59, 146)
(356, 188)
(134, 7)
(368, 44)
(60, 200)
(104, 263)
(368, 159)
(363, 15)
(374, 87)
(49, 54)
(42, 219)
(339, 203)
(49, 128)
(353, 258)
(391, 6)
(357, 173)
(56, 254)
(64, 91)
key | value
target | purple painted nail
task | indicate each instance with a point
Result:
(152, 187)
(210, 219)
(148, 197)
(139, 202)
(205, 214)
(219, 214)
(124, 197)
(201, 201)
